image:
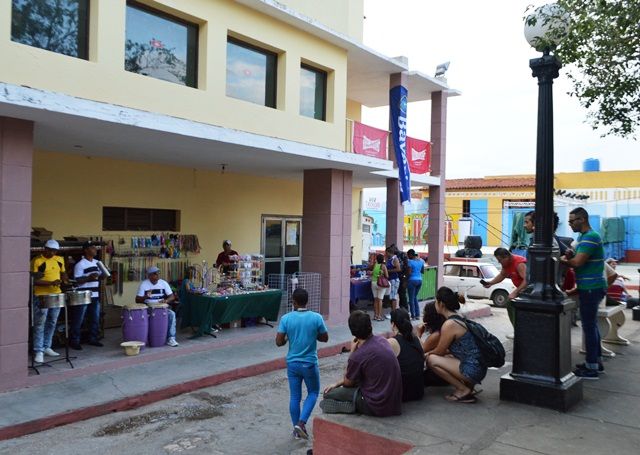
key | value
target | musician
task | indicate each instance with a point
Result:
(227, 257)
(88, 275)
(48, 271)
(156, 290)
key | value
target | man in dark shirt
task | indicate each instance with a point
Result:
(227, 257)
(372, 384)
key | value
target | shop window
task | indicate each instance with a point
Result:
(160, 46)
(139, 219)
(313, 92)
(251, 73)
(55, 25)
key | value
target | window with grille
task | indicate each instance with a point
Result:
(139, 219)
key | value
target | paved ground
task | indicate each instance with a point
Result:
(249, 416)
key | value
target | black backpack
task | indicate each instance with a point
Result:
(490, 347)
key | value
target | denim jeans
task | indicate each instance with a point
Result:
(310, 374)
(589, 302)
(44, 325)
(171, 329)
(76, 318)
(413, 287)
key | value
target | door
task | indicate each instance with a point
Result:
(281, 240)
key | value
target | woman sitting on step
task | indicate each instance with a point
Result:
(456, 358)
(408, 350)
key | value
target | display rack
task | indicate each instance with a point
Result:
(249, 270)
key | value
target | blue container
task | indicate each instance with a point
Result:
(591, 165)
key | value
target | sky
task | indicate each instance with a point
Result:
(492, 127)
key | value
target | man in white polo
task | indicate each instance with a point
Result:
(156, 290)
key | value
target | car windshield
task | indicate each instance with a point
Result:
(489, 271)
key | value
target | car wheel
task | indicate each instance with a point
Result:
(500, 298)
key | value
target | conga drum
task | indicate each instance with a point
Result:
(135, 323)
(158, 324)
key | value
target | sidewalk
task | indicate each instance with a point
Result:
(69, 396)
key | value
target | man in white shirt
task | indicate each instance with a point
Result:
(88, 275)
(156, 290)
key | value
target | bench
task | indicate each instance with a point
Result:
(610, 319)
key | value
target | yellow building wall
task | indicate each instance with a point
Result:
(602, 179)
(104, 79)
(344, 16)
(354, 110)
(69, 192)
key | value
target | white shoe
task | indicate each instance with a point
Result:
(172, 342)
(39, 358)
(51, 353)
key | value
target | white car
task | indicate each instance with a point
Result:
(464, 277)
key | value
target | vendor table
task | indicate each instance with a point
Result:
(203, 311)
(360, 290)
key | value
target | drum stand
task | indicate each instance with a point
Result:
(34, 366)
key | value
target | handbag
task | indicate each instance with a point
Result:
(383, 282)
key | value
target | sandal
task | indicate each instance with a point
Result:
(468, 398)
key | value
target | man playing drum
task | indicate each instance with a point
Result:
(49, 272)
(87, 274)
(155, 290)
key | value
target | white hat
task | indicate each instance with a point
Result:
(52, 244)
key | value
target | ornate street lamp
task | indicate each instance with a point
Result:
(542, 371)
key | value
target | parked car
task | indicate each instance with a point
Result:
(464, 277)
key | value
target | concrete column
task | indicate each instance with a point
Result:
(437, 216)
(395, 210)
(326, 239)
(16, 159)
(395, 215)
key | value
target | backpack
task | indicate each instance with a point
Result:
(491, 348)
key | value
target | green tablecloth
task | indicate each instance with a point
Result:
(203, 311)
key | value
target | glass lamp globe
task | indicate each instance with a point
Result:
(545, 27)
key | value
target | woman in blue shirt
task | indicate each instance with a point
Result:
(416, 268)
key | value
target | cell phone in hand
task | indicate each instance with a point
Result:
(483, 282)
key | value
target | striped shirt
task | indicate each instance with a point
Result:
(591, 274)
(84, 268)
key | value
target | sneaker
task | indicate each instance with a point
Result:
(39, 357)
(294, 435)
(172, 342)
(584, 367)
(75, 346)
(330, 406)
(388, 316)
(586, 373)
(96, 343)
(214, 329)
(301, 430)
(51, 353)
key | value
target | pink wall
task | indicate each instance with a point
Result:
(16, 155)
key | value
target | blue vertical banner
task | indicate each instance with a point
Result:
(398, 108)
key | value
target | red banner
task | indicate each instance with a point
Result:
(369, 141)
(418, 155)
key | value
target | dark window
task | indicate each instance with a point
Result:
(55, 25)
(313, 92)
(466, 208)
(160, 46)
(137, 219)
(251, 73)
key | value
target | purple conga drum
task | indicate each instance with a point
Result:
(135, 323)
(158, 324)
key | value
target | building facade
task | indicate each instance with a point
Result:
(225, 119)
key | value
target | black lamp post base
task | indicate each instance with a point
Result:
(560, 397)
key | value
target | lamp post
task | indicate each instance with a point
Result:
(542, 372)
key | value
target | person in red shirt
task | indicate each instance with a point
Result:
(515, 268)
(227, 257)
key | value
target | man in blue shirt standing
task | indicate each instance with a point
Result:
(303, 328)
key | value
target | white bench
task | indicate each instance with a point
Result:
(610, 319)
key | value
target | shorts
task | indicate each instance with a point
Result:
(378, 292)
(393, 290)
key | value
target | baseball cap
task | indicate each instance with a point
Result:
(152, 269)
(87, 244)
(52, 245)
(609, 260)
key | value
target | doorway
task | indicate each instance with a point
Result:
(280, 245)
